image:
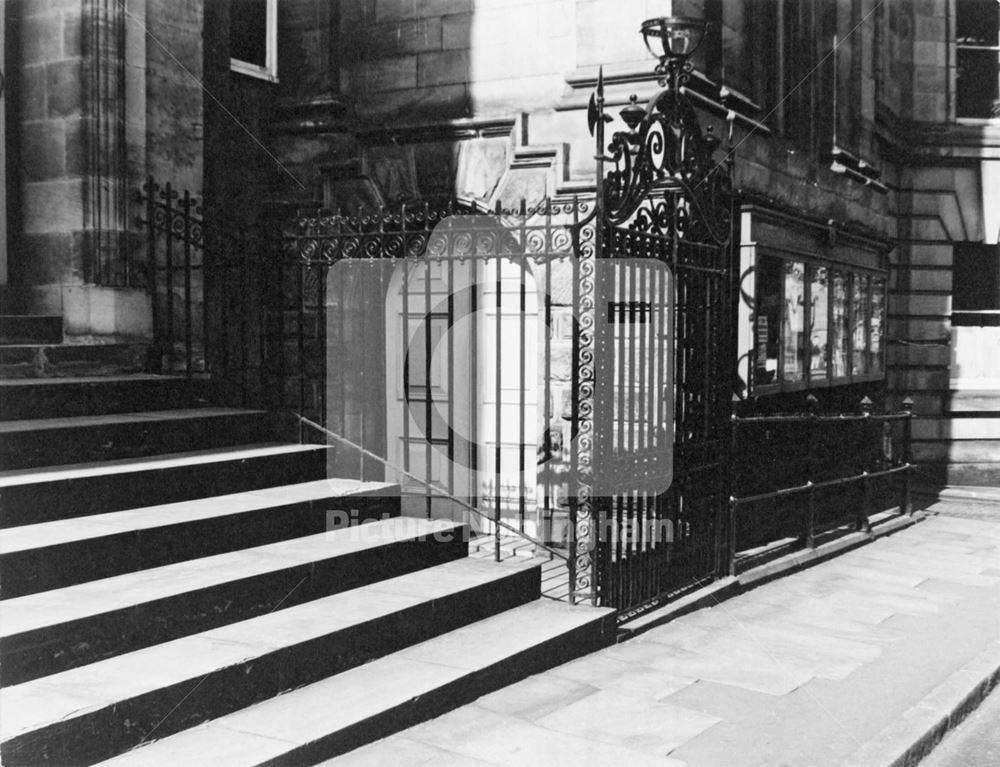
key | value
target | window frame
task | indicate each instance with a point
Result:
(810, 380)
(957, 46)
(268, 72)
(974, 316)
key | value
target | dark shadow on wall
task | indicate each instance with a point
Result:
(346, 71)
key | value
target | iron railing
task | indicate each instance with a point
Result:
(386, 332)
(834, 473)
(211, 291)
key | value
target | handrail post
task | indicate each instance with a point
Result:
(810, 531)
(732, 536)
(734, 423)
(866, 498)
(150, 189)
(908, 456)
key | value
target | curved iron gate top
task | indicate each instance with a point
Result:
(667, 200)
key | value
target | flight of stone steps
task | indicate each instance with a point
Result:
(179, 587)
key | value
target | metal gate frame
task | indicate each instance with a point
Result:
(665, 198)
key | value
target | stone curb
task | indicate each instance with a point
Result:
(911, 738)
(726, 588)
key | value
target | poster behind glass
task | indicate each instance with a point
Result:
(793, 322)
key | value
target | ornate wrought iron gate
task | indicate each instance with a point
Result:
(665, 202)
(542, 370)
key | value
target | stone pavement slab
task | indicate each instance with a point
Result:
(800, 672)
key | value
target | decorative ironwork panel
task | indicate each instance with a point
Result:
(667, 200)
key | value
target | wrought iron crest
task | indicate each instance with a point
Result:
(665, 178)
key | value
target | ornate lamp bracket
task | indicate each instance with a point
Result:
(662, 148)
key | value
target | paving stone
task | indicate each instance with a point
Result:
(536, 696)
(399, 750)
(797, 672)
(508, 741)
(617, 719)
(605, 673)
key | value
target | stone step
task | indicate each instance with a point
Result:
(31, 329)
(101, 710)
(65, 552)
(47, 360)
(32, 443)
(52, 631)
(33, 496)
(340, 713)
(973, 401)
(89, 395)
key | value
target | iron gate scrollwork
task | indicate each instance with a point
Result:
(664, 201)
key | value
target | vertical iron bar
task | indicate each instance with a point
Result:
(810, 531)
(428, 324)
(343, 342)
(300, 327)
(263, 257)
(320, 335)
(571, 542)
(474, 374)
(521, 464)
(188, 356)
(631, 329)
(244, 309)
(151, 188)
(908, 456)
(546, 514)
(169, 224)
(406, 364)
(279, 304)
(207, 303)
(498, 394)
(734, 423)
(866, 409)
(450, 393)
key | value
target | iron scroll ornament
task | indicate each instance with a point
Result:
(665, 178)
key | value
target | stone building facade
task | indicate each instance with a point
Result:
(869, 177)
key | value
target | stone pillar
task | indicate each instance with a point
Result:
(72, 191)
(50, 133)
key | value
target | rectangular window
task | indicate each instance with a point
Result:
(816, 325)
(819, 330)
(975, 280)
(253, 38)
(976, 277)
(977, 58)
(793, 323)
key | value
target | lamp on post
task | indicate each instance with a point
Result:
(663, 145)
(673, 40)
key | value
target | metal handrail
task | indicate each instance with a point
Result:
(786, 491)
(806, 418)
(497, 522)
